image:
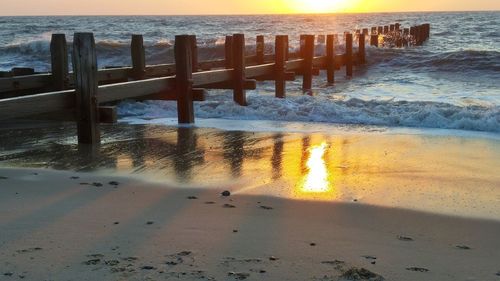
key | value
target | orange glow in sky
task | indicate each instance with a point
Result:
(233, 7)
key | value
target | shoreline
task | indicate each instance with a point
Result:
(85, 231)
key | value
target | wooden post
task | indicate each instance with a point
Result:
(374, 30)
(302, 45)
(397, 26)
(374, 40)
(330, 58)
(85, 76)
(138, 57)
(386, 29)
(348, 54)
(260, 49)
(307, 68)
(239, 95)
(365, 31)
(59, 62)
(392, 27)
(361, 49)
(412, 34)
(287, 49)
(228, 52)
(380, 30)
(194, 53)
(280, 66)
(184, 79)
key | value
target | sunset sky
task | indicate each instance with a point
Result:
(170, 7)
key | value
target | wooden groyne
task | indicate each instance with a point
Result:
(87, 89)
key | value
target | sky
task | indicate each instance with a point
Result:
(185, 7)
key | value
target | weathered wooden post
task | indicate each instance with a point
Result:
(374, 40)
(386, 29)
(239, 95)
(392, 27)
(365, 31)
(228, 52)
(307, 67)
(348, 54)
(260, 49)
(361, 49)
(194, 52)
(138, 57)
(280, 65)
(397, 27)
(330, 58)
(287, 48)
(59, 62)
(184, 79)
(85, 76)
(374, 30)
(412, 35)
(380, 30)
(302, 44)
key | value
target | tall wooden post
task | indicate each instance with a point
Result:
(280, 65)
(307, 68)
(374, 40)
(184, 79)
(228, 52)
(239, 95)
(413, 35)
(194, 53)
(392, 27)
(365, 31)
(386, 29)
(361, 50)
(374, 30)
(397, 27)
(348, 54)
(59, 62)
(380, 30)
(85, 76)
(138, 57)
(330, 58)
(302, 45)
(260, 49)
(287, 48)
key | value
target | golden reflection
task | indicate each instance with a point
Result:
(316, 180)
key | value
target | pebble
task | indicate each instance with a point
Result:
(417, 269)
(266, 207)
(226, 193)
(148, 267)
(150, 222)
(97, 184)
(116, 222)
(8, 273)
(74, 177)
(115, 183)
(273, 258)
(405, 238)
(229, 206)
(3, 178)
(210, 202)
(192, 197)
(235, 230)
(463, 247)
(239, 275)
(312, 244)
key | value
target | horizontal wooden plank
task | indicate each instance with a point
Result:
(25, 82)
(127, 90)
(35, 104)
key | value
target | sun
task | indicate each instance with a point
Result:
(319, 6)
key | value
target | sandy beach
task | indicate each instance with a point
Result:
(354, 204)
(80, 226)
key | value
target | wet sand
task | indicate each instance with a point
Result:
(361, 203)
(80, 226)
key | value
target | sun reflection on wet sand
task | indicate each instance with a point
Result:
(316, 179)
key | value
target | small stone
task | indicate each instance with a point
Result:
(312, 244)
(273, 258)
(74, 177)
(226, 193)
(239, 275)
(3, 178)
(405, 238)
(150, 222)
(417, 269)
(115, 183)
(210, 202)
(373, 262)
(116, 222)
(112, 262)
(21, 276)
(84, 183)
(192, 197)
(92, 262)
(355, 200)
(229, 206)
(463, 247)
(266, 207)
(8, 274)
(498, 273)
(361, 274)
(262, 271)
(369, 257)
(148, 267)
(97, 184)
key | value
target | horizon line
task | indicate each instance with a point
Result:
(249, 14)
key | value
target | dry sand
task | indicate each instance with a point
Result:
(81, 226)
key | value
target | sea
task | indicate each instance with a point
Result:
(451, 82)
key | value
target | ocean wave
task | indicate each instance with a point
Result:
(324, 109)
